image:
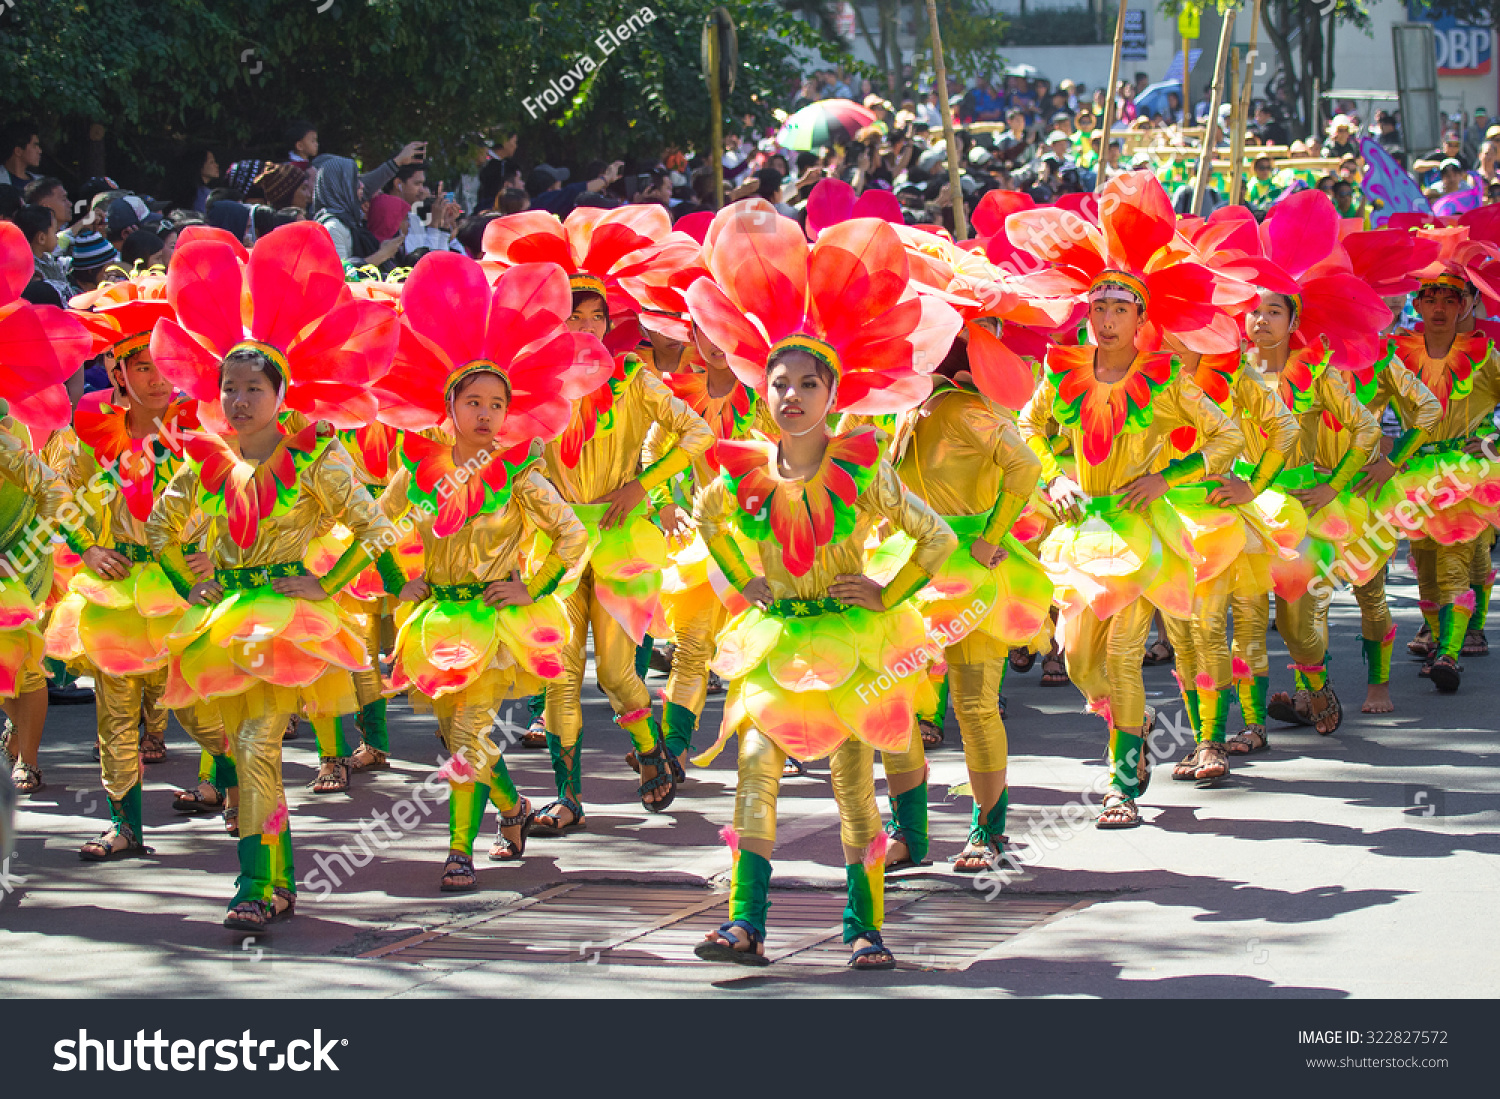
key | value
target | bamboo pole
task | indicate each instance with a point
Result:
(1236, 128)
(1186, 104)
(717, 108)
(1215, 96)
(955, 170)
(1247, 92)
(1108, 120)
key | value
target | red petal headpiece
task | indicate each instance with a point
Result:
(41, 346)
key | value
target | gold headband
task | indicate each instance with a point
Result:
(585, 283)
(1109, 279)
(819, 350)
(469, 369)
(1447, 281)
(274, 354)
(127, 346)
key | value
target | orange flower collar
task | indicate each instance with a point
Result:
(1105, 410)
(244, 493)
(1451, 377)
(140, 467)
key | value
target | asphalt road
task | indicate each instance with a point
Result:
(1356, 865)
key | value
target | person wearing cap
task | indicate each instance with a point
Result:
(1082, 140)
(92, 256)
(1473, 135)
(1452, 148)
(1263, 188)
(1016, 146)
(1389, 138)
(1341, 141)
(124, 216)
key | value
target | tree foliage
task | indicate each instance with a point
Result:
(373, 74)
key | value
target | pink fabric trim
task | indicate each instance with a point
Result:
(1181, 686)
(1466, 601)
(1100, 706)
(1241, 669)
(875, 853)
(276, 821)
(1310, 669)
(457, 770)
(730, 837)
(1390, 635)
(1204, 682)
(1490, 579)
(1425, 607)
(633, 716)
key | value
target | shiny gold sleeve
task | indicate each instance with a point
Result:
(48, 491)
(169, 519)
(550, 513)
(990, 432)
(887, 498)
(714, 514)
(1417, 406)
(659, 442)
(90, 501)
(1032, 425)
(1220, 440)
(1260, 402)
(335, 484)
(1339, 399)
(694, 437)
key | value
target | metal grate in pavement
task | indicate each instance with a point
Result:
(618, 924)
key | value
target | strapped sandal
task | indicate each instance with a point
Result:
(987, 850)
(750, 951)
(192, 801)
(1475, 644)
(7, 735)
(1212, 757)
(232, 821)
(292, 730)
(1054, 670)
(1021, 660)
(715, 684)
(335, 781)
(153, 748)
(1446, 674)
(876, 948)
(793, 768)
(1422, 645)
(932, 733)
(1332, 710)
(898, 836)
(662, 760)
(1119, 812)
(26, 778)
(1157, 653)
(549, 812)
(1187, 769)
(103, 849)
(283, 893)
(465, 870)
(678, 773)
(1253, 739)
(378, 760)
(250, 916)
(536, 736)
(1289, 709)
(503, 849)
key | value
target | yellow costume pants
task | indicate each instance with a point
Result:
(1104, 660)
(853, 767)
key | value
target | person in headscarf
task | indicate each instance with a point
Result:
(387, 215)
(231, 216)
(337, 195)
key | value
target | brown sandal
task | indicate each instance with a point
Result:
(1054, 670)
(1253, 739)
(1331, 715)
(366, 758)
(153, 748)
(1187, 769)
(335, 781)
(26, 778)
(1119, 812)
(1213, 763)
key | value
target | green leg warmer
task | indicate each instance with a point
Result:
(1378, 658)
(1253, 694)
(909, 820)
(643, 656)
(372, 726)
(466, 802)
(265, 863)
(750, 889)
(565, 766)
(126, 813)
(1453, 624)
(331, 740)
(1127, 763)
(940, 710)
(865, 908)
(992, 826)
(1213, 714)
(681, 724)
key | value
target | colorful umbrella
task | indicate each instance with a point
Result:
(827, 122)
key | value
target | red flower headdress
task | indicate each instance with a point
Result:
(1335, 308)
(1134, 252)
(597, 249)
(41, 346)
(848, 300)
(289, 302)
(455, 324)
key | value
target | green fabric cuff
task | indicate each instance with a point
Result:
(174, 563)
(1408, 444)
(1184, 470)
(726, 553)
(911, 579)
(79, 540)
(392, 579)
(545, 582)
(1006, 511)
(1270, 464)
(355, 560)
(1348, 468)
(666, 467)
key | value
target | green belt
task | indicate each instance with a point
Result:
(457, 593)
(1112, 505)
(1448, 446)
(805, 608)
(256, 576)
(142, 555)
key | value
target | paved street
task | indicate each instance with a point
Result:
(1357, 865)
